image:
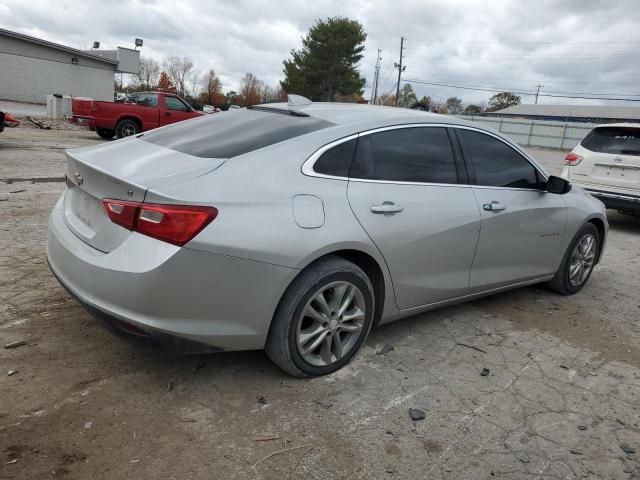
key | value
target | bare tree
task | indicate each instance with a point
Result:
(273, 94)
(179, 70)
(148, 75)
(250, 90)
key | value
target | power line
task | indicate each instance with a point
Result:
(535, 80)
(520, 92)
(473, 42)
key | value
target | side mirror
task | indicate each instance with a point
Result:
(558, 185)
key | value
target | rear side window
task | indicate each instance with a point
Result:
(147, 99)
(615, 140)
(233, 133)
(420, 154)
(337, 160)
(496, 164)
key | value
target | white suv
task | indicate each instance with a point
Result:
(607, 164)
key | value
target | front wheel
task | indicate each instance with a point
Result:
(578, 261)
(323, 319)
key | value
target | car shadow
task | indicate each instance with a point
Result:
(624, 223)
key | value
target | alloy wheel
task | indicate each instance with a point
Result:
(330, 323)
(582, 260)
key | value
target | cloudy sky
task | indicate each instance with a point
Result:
(570, 47)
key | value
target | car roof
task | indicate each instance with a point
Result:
(354, 114)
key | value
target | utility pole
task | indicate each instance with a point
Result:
(376, 79)
(400, 70)
(538, 93)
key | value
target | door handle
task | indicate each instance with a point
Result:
(493, 207)
(386, 207)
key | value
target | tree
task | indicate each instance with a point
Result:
(328, 60)
(453, 106)
(178, 69)
(250, 90)
(273, 94)
(231, 96)
(423, 104)
(387, 100)
(503, 100)
(212, 89)
(472, 109)
(165, 84)
(148, 74)
(407, 97)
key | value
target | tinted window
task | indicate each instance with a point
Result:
(173, 103)
(233, 133)
(147, 99)
(496, 164)
(337, 160)
(407, 155)
(616, 140)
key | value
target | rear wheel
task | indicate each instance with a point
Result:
(105, 133)
(578, 261)
(323, 319)
(127, 128)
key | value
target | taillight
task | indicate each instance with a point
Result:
(572, 159)
(176, 224)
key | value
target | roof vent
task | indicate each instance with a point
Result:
(298, 101)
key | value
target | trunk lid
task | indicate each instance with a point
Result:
(122, 170)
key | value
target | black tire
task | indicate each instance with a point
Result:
(281, 346)
(561, 282)
(105, 133)
(127, 128)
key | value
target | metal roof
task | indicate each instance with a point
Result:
(57, 46)
(574, 111)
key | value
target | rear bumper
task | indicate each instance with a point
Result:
(83, 122)
(617, 201)
(167, 291)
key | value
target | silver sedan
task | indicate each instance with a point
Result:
(297, 227)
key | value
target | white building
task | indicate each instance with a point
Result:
(31, 69)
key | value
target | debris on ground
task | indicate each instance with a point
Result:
(10, 121)
(416, 414)
(19, 191)
(11, 372)
(262, 400)
(88, 425)
(386, 349)
(626, 448)
(485, 372)
(471, 347)
(17, 344)
(169, 386)
(582, 427)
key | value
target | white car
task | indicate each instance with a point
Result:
(606, 163)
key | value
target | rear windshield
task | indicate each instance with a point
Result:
(233, 133)
(615, 140)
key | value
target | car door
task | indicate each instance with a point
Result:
(522, 224)
(407, 188)
(175, 110)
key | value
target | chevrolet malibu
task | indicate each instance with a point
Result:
(297, 227)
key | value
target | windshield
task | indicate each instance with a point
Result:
(615, 140)
(234, 133)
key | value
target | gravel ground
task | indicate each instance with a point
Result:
(561, 398)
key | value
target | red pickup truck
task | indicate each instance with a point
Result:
(149, 110)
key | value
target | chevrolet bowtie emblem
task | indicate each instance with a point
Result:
(78, 178)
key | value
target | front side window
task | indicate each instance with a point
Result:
(174, 103)
(418, 154)
(496, 164)
(147, 99)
